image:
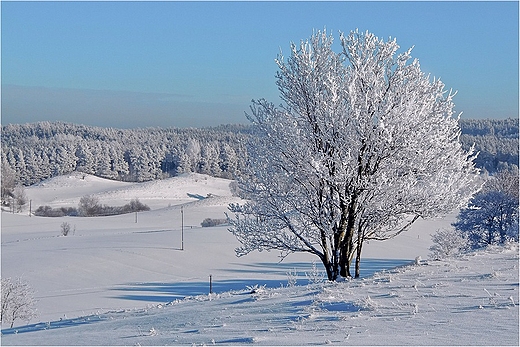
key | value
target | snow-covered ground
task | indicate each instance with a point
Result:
(117, 282)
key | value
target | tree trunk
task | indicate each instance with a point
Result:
(329, 268)
(358, 254)
(347, 246)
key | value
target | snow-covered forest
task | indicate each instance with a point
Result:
(495, 139)
(38, 151)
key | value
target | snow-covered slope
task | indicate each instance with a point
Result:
(67, 190)
(120, 265)
(468, 301)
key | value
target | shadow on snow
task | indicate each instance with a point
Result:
(166, 292)
(52, 325)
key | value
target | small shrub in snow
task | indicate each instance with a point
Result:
(65, 228)
(292, 277)
(448, 243)
(315, 275)
(152, 332)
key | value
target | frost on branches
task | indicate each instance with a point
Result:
(363, 145)
(17, 301)
(492, 215)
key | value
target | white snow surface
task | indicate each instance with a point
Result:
(113, 281)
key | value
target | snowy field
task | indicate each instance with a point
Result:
(115, 281)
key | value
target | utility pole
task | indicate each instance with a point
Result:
(182, 228)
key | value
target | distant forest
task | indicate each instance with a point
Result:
(37, 151)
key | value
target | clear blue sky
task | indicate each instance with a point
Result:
(139, 64)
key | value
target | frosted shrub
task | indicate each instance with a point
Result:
(448, 243)
(65, 228)
(315, 275)
(292, 278)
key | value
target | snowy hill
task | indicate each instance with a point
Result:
(118, 274)
(65, 191)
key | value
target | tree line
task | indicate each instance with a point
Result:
(495, 139)
(36, 151)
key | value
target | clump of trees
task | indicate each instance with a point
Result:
(491, 218)
(363, 145)
(17, 301)
(492, 214)
(89, 206)
(496, 140)
(213, 222)
(47, 211)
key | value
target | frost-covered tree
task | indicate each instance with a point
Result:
(8, 181)
(20, 198)
(363, 145)
(89, 206)
(17, 301)
(492, 214)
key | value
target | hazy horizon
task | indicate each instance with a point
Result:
(194, 64)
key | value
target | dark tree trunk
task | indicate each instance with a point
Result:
(347, 246)
(358, 254)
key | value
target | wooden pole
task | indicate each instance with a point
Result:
(182, 228)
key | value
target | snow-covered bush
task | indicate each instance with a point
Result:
(65, 228)
(447, 243)
(17, 301)
(292, 278)
(315, 275)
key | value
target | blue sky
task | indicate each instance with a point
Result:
(182, 64)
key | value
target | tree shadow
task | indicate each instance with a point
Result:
(64, 323)
(166, 292)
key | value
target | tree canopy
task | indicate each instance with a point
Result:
(363, 145)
